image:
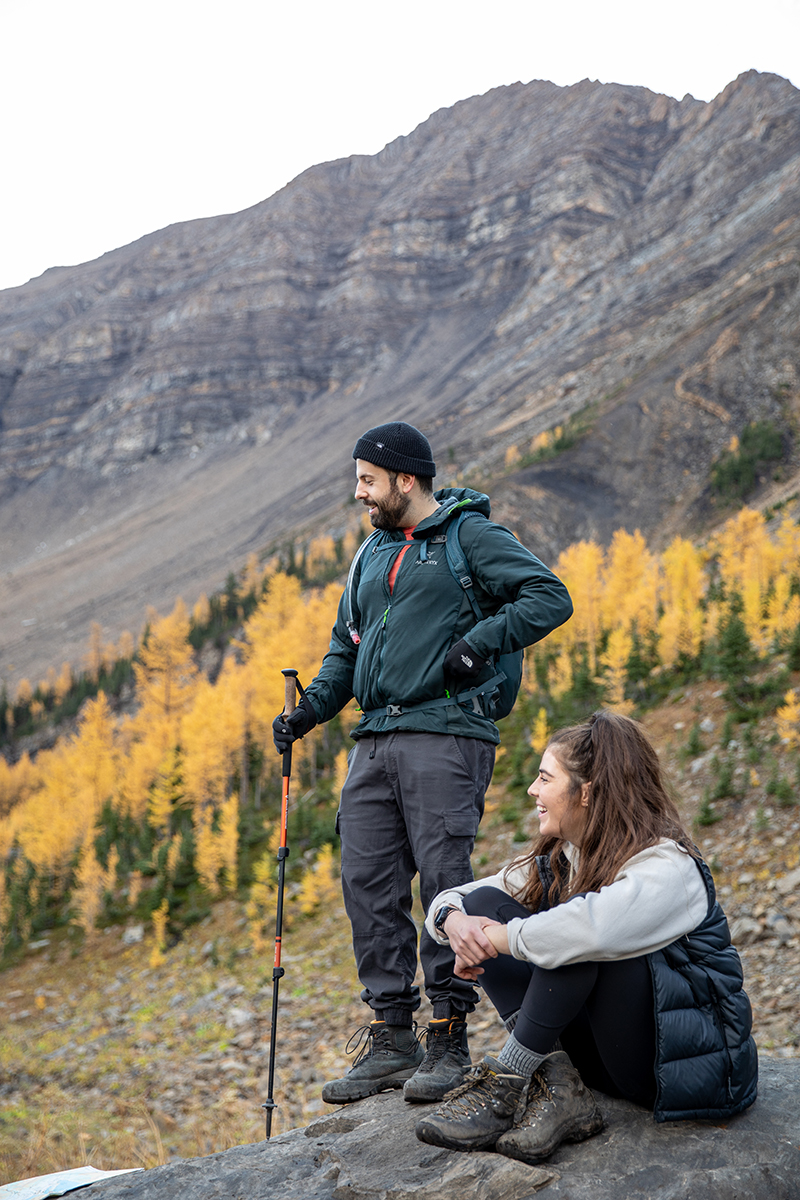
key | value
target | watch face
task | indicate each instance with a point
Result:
(441, 917)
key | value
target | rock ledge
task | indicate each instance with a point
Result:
(368, 1151)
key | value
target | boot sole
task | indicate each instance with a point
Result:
(360, 1090)
(581, 1134)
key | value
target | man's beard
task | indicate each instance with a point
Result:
(390, 512)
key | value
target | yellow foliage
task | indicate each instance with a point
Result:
(286, 629)
(787, 718)
(542, 441)
(24, 692)
(321, 553)
(229, 840)
(17, 781)
(164, 792)
(209, 851)
(787, 545)
(166, 673)
(134, 887)
(91, 884)
(160, 917)
(630, 584)
(201, 613)
(340, 772)
(512, 456)
(783, 610)
(261, 904)
(320, 886)
(614, 662)
(680, 628)
(212, 735)
(63, 683)
(540, 733)
(36, 709)
(745, 551)
(580, 566)
(77, 777)
(173, 856)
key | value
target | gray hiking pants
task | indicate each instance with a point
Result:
(411, 804)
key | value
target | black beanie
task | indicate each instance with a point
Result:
(397, 447)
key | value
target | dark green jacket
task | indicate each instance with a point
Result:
(406, 635)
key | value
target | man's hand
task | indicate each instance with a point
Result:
(463, 662)
(286, 730)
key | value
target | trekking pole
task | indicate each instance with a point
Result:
(289, 705)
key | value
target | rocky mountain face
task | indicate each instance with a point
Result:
(525, 256)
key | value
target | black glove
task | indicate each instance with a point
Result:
(463, 662)
(286, 730)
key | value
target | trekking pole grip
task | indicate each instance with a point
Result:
(290, 690)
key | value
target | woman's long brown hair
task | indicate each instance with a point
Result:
(629, 806)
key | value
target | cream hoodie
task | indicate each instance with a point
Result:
(657, 897)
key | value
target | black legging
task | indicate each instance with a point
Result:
(601, 1011)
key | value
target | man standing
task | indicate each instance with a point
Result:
(408, 645)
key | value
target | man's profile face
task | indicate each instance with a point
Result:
(377, 489)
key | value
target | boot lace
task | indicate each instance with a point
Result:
(539, 1094)
(473, 1094)
(370, 1040)
(439, 1043)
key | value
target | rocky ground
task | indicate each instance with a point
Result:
(109, 1060)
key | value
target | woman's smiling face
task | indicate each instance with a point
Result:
(562, 813)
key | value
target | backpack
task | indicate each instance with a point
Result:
(509, 666)
(500, 692)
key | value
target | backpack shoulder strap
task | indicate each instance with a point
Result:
(348, 591)
(457, 562)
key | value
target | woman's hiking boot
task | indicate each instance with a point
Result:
(445, 1064)
(390, 1055)
(475, 1114)
(560, 1109)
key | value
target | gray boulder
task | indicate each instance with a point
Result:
(368, 1151)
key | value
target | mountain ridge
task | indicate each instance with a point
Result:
(520, 258)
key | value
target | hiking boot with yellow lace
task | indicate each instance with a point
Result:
(475, 1114)
(389, 1056)
(560, 1109)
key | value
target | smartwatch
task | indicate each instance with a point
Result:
(442, 915)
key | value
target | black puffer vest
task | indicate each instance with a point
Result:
(706, 1064)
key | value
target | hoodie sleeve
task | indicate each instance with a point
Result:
(509, 880)
(658, 896)
(532, 600)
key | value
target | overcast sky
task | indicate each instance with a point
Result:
(120, 118)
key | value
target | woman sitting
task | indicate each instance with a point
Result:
(606, 955)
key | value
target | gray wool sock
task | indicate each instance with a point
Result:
(519, 1058)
